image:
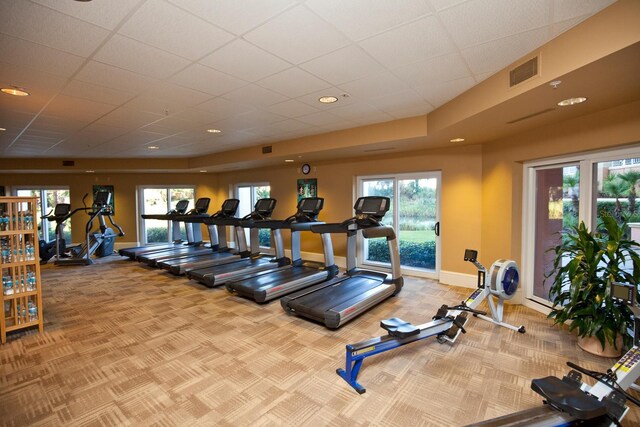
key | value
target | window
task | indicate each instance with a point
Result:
(560, 194)
(414, 214)
(160, 200)
(249, 194)
(48, 198)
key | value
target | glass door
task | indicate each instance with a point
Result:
(248, 195)
(414, 214)
(158, 201)
(556, 207)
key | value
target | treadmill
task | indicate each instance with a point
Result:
(181, 208)
(217, 226)
(299, 274)
(194, 235)
(340, 299)
(257, 261)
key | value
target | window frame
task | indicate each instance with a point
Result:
(414, 271)
(43, 188)
(234, 192)
(142, 231)
(586, 161)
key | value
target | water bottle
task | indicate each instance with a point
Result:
(31, 251)
(7, 285)
(33, 312)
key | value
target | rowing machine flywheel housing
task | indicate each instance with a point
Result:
(504, 278)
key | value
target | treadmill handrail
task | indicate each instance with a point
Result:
(304, 226)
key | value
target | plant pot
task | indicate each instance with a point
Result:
(592, 345)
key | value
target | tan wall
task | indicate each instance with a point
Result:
(502, 168)
(125, 193)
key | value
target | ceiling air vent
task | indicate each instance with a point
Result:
(523, 72)
(267, 149)
(68, 163)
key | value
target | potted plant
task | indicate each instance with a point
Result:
(584, 266)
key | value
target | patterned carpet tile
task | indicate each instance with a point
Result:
(127, 345)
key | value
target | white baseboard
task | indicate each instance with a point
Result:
(458, 279)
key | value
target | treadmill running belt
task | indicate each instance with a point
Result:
(317, 303)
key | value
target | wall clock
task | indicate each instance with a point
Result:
(306, 169)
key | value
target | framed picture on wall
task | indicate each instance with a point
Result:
(307, 188)
(110, 189)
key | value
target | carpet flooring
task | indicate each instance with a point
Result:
(127, 345)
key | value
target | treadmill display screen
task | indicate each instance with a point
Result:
(202, 204)
(265, 206)
(377, 206)
(230, 206)
(311, 205)
(181, 206)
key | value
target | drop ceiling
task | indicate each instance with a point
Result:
(111, 78)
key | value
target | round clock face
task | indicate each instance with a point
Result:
(306, 168)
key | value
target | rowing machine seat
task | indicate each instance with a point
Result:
(568, 397)
(399, 328)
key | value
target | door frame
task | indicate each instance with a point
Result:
(413, 271)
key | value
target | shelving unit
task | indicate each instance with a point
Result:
(19, 266)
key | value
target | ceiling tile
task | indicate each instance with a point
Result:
(79, 89)
(80, 109)
(562, 26)
(178, 94)
(360, 113)
(507, 17)
(255, 95)
(54, 29)
(293, 83)
(208, 80)
(239, 59)
(33, 55)
(374, 85)
(420, 39)
(440, 94)
(154, 105)
(445, 4)
(106, 14)
(570, 9)
(128, 119)
(402, 104)
(292, 108)
(323, 118)
(312, 98)
(495, 55)
(114, 78)
(171, 29)
(134, 56)
(56, 123)
(220, 108)
(433, 70)
(170, 126)
(343, 65)
(297, 35)
(363, 18)
(235, 16)
(248, 120)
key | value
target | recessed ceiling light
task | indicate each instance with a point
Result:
(554, 84)
(89, 171)
(153, 147)
(288, 160)
(571, 101)
(2, 129)
(214, 130)
(327, 99)
(457, 140)
(15, 91)
(202, 171)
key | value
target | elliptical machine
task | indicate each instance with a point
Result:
(57, 247)
(100, 242)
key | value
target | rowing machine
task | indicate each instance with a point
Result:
(448, 322)
(569, 401)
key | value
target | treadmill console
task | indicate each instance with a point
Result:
(229, 207)
(181, 207)
(263, 208)
(202, 205)
(372, 207)
(308, 209)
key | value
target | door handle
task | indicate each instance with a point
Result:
(436, 228)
